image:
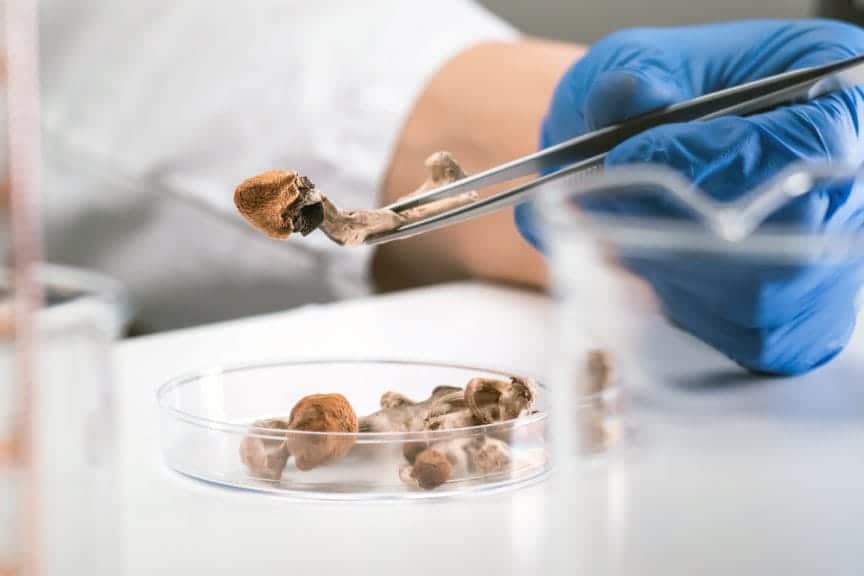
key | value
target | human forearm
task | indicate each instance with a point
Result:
(485, 107)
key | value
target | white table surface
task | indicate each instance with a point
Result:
(760, 477)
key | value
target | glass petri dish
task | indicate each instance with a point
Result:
(207, 415)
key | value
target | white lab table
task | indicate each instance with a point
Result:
(771, 480)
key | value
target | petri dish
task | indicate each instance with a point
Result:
(206, 416)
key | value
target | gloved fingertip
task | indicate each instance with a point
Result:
(527, 224)
(620, 94)
(789, 367)
(820, 340)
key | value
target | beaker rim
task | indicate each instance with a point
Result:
(742, 227)
(76, 285)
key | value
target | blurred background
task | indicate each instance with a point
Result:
(153, 112)
(569, 20)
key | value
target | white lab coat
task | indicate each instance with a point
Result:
(154, 110)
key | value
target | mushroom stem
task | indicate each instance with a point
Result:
(400, 414)
(280, 203)
(264, 455)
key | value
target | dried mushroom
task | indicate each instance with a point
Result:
(493, 400)
(457, 459)
(454, 418)
(430, 469)
(430, 461)
(321, 413)
(266, 456)
(282, 202)
(601, 426)
(401, 414)
(483, 401)
(264, 452)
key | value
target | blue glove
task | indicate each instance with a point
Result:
(773, 319)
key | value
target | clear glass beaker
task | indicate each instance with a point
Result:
(706, 406)
(59, 511)
(61, 514)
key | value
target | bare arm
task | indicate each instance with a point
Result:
(485, 107)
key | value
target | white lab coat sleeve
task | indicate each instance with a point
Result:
(153, 111)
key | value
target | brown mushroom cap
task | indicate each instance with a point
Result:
(280, 202)
(321, 413)
(431, 469)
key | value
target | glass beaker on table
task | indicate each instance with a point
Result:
(59, 467)
(59, 511)
(701, 421)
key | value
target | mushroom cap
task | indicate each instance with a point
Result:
(431, 469)
(280, 202)
(321, 413)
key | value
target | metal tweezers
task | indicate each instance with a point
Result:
(585, 154)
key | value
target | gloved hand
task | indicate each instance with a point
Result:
(772, 319)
